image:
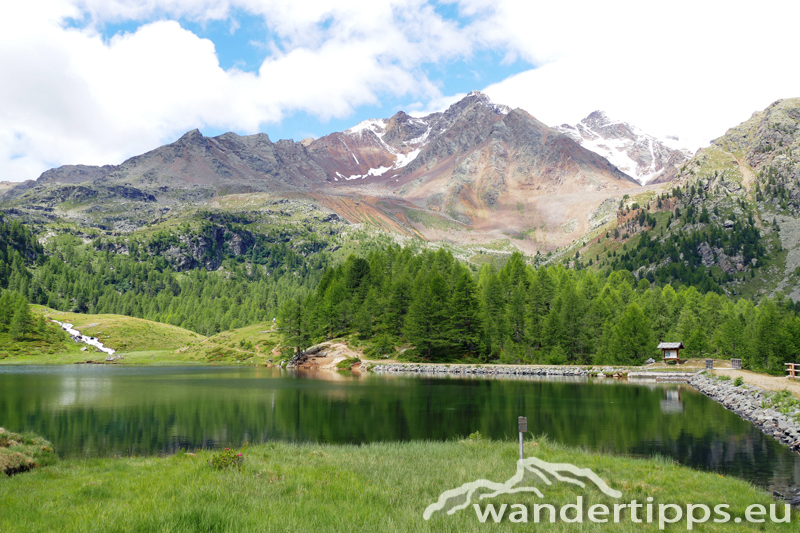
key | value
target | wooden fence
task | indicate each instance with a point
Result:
(793, 370)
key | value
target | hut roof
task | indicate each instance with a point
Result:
(670, 346)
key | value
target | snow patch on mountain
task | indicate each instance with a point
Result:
(405, 159)
(634, 152)
(375, 125)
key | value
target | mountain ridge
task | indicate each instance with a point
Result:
(472, 166)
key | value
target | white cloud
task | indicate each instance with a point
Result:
(434, 105)
(79, 98)
(686, 68)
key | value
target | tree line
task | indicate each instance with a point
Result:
(427, 303)
(438, 309)
(70, 275)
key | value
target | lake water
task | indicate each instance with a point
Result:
(105, 410)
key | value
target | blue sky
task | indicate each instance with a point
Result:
(98, 81)
(243, 41)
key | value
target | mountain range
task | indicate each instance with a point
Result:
(480, 176)
(478, 170)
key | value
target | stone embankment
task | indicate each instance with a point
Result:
(495, 370)
(748, 402)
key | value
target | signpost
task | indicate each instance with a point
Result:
(523, 428)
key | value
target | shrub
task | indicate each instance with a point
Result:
(347, 364)
(476, 436)
(738, 381)
(226, 459)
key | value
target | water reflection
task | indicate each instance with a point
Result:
(110, 410)
(672, 404)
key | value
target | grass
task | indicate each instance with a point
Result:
(248, 345)
(140, 342)
(47, 344)
(124, 333)
(22, 452)
(309, 487)
(430, 219)
(783, 401)
(347, 364)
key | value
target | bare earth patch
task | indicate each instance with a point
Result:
(331, 355)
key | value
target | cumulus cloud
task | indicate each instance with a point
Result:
(71, 95)
(687, 68)
(78, 97)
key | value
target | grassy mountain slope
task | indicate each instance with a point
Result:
(254, 344)
(50, 342)
(124, 333)
(139, 341)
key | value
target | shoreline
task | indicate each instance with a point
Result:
(747, 402)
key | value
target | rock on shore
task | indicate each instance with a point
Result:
(747, 402)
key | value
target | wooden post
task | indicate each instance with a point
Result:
(522, 422)
(793, 368)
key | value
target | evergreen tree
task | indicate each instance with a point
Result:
(632, 340)
(292, 324)
(21, 321)
(465, 311)
(426, 325)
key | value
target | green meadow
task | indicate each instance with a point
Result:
(382, 487)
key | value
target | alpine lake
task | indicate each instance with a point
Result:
(109, 410)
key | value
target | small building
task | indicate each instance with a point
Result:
(672, 351)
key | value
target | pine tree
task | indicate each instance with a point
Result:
(293, 326)
(364, 318)
(632, 338)
(21, 321)
(6, 310)
(465, 323)
(427, 321)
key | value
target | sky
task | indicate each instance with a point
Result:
(98, 81)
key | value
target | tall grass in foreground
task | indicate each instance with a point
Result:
(317, 487)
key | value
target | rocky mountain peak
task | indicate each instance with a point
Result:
(473, 99)
(190, 137)
(643, 156)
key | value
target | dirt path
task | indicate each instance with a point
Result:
(772, 383)
(747, 175)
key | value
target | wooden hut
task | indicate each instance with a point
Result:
(672, 351)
